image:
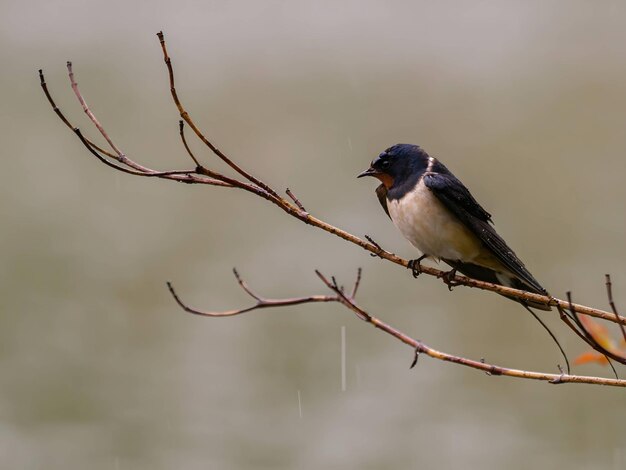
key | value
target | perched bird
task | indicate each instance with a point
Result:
(438, 215)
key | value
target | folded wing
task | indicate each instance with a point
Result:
(458, 200)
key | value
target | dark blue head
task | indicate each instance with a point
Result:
(398, 164)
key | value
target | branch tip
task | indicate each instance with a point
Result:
(609, 293)
(296, 201)
(357, 282)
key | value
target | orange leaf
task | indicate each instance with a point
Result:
(599, 332)
(603, 337)
(591, 356)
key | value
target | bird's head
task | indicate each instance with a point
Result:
(397, 164)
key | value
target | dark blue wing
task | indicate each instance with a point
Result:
(458, 200)
(452, 192)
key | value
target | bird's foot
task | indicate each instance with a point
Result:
(415, 265)
(448, 279)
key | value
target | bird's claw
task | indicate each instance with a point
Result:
(448, 279)
(415, 357)
(415, 265)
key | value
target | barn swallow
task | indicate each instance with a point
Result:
(438, 215)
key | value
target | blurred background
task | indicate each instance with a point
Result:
(524, 101)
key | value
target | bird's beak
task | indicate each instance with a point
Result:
(369, 172)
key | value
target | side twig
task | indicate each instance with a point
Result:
(185, 115)
(260, 301)
(609, 293)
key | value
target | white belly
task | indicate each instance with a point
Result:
(431, 228)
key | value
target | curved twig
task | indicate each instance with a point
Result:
(120, 155)
(589, 338)
(552, 335)
(609, 294)
(59, 113)
(183, 174)
(188, 120)
(260, 301)
(181, 132)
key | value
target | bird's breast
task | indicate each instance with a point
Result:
(431, 227)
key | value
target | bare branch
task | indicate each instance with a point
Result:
(59, 113)
(157, 174)
(421, 347)
(120, 155)
(185, 115)
(370, 245)
(260, 301)
(176, 175)
(418, 346)
(202, 175)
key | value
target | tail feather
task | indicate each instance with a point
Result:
(489, 275)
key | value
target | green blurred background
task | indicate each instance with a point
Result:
(524, 101)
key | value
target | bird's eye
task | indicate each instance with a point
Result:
(384, 164)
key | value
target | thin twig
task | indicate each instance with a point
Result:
(177, 175)
(201, 169)
(357, 283)
(588, 337)
(552, 335)
(59, 113)
(184, 176)
(296, 201)
(185, 115)
(120, 155)
(260, 301)
(181, 132)
(609, 293)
